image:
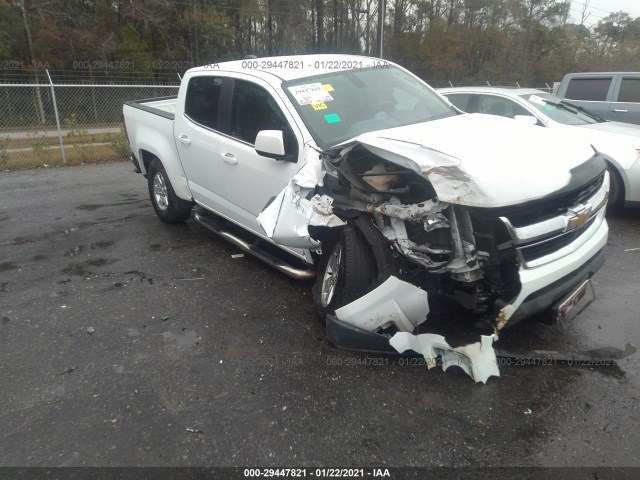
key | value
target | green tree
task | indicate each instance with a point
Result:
(133, 48)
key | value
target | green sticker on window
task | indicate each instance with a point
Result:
(549, 107)
(332, 118)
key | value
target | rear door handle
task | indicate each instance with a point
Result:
(619, 110)
(229, 158)
(184, 139)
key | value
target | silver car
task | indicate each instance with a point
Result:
(618, 142)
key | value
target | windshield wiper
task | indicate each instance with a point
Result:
(588, 113)
(575, 109)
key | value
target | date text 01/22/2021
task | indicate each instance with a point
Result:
(317, 472)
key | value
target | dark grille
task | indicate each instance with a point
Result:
(545, 247)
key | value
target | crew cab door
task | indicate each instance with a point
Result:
(251, 179)
(625, 106)
(198, 126)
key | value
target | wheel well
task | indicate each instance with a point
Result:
(146, 159)
(613, 171)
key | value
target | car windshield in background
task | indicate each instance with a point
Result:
(339, 106)
(562, 112)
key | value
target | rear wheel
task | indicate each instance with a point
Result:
(346, 271)
(168, 206)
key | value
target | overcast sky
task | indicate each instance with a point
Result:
(601, 8)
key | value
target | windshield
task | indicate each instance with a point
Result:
(341, 105)
(562, 112)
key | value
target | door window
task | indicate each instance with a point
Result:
(590, 89)
(201, 102)
(629, 90)
(254, 109)
(500, 106)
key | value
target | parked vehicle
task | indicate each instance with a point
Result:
(363, 177)
(618, 143)
(612, 95)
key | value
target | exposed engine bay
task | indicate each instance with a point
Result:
(426, 244)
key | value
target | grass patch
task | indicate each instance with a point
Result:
(51, 157)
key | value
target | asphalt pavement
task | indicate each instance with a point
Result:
(128, 342)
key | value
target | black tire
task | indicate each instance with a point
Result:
(356, 271)
(616, 190)
(168, 206)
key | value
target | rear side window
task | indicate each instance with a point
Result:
(590, 89)
(461, 100)
(201, 103)
(629, 90)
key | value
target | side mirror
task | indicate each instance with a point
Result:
(269, 143)
(527, 119)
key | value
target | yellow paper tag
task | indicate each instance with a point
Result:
(319, 105)
(327, 87)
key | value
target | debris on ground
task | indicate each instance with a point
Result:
(164, 318)
(237, 255)
(193, 430)
(478, 359)
(68, 370)
(90, 330)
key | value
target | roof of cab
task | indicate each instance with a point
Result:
(293, 67)
(515, 91)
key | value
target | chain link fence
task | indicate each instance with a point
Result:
(47, 124)
(53, 124)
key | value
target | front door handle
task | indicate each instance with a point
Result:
(619, 110)
(184, 139)
(229, 158)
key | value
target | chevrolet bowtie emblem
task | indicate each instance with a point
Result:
(580, 218)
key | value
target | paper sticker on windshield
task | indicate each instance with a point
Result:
(319, 105)
(327, 87)
(332, 118)
(537, 99)
(549, 107)
(310, 93)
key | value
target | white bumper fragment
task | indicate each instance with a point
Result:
(478, 359)
(393, 303)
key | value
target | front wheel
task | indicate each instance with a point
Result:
(346, 271)
(168, 206)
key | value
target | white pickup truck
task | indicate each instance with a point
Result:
(352, 171)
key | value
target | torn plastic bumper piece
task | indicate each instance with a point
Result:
(405, 306)
(343, 335)
(478, 359)
(394, 302)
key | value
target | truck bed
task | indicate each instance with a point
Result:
(163, 106)
(149, 126)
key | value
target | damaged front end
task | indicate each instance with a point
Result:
(426, 242)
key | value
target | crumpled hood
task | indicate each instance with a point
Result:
(482, 160)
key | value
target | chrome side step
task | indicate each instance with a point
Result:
(218, 227)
